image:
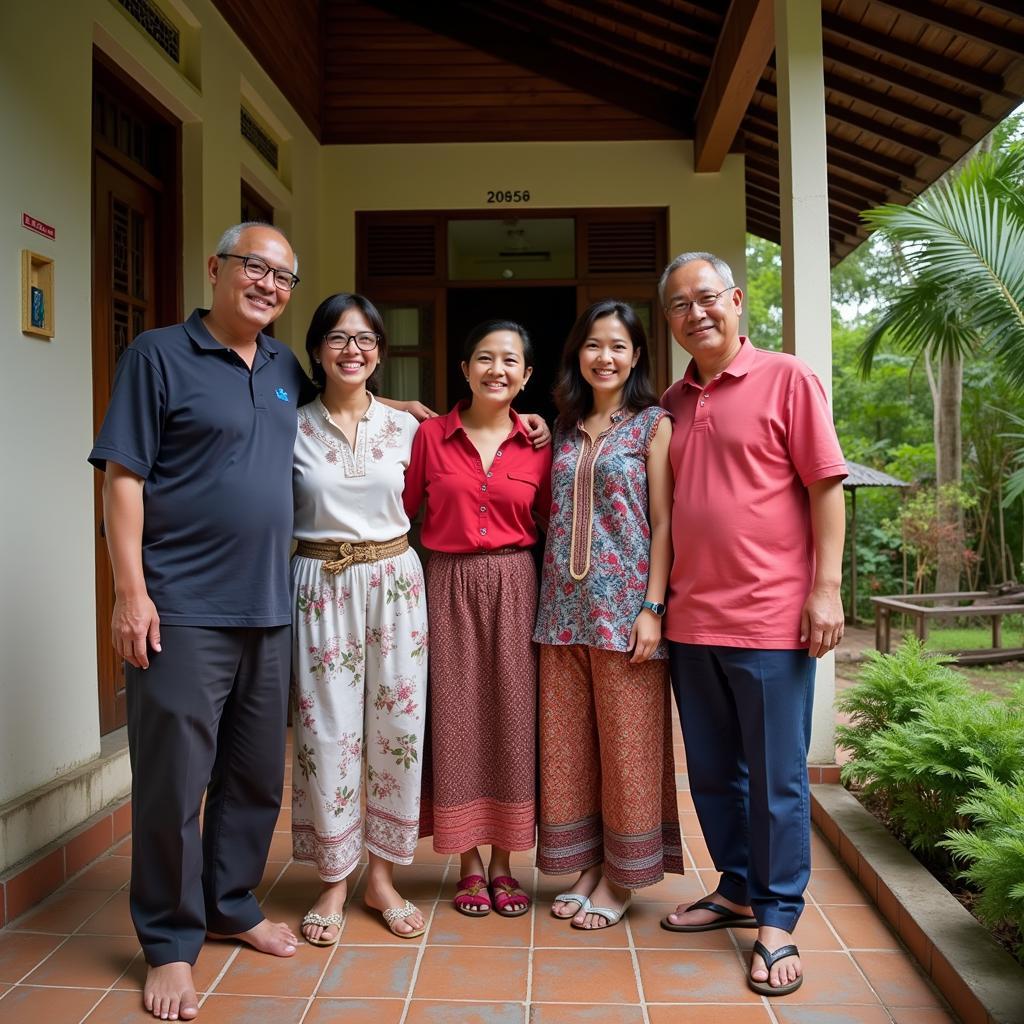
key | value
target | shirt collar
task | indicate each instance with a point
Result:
(453, 422)
(196, 329)
(616, 418)
(325, 413)
(739, 367)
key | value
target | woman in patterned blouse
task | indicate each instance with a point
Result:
(359, 628)
(607, 793)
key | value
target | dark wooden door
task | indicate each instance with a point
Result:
(135, 287)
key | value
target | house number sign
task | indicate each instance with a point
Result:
(508, 195)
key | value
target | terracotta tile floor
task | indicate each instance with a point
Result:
(75, 959)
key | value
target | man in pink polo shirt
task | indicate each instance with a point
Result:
(757, 532)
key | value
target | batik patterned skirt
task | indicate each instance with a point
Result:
(358, 702)
(481, 785)
(607, 774)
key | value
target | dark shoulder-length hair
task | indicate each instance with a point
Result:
(326, 318)
(573, 395)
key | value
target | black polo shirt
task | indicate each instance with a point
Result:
(213, 442)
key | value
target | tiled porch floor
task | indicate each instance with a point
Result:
(75, 958)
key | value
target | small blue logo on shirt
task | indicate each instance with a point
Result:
(282, 394)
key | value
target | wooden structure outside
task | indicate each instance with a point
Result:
(925, 608)
(910, 86)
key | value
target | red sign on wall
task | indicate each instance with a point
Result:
(38, 226)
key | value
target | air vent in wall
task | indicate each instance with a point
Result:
(156, 26)
(622, 247)
(400, 250)
(261, 141)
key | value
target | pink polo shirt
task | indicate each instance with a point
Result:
(745, 447)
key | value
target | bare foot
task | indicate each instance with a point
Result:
(784, 971)
(330, 901)
(697, 917)
(272, 937)
(381, 896)
(584, 885)
(169, 993)
(605, 894)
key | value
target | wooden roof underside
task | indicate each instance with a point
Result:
(910, 85)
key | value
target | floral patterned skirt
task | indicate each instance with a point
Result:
(481, 785)
(359, 672)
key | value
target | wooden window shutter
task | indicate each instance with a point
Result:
(622, 247)
(396, 250)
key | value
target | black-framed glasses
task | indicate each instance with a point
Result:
(680, 307)
(365, 341)
(256, 269)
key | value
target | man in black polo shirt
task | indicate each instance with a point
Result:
(197, 449)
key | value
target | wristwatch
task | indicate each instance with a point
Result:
(654, 606)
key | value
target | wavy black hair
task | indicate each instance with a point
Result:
(573, 395)
(326, 318)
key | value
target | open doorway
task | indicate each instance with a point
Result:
(546, 311)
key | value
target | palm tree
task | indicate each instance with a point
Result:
(962, 247)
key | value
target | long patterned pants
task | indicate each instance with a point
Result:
(358, 695)
(607, 777)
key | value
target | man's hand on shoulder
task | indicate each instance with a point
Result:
(415, 409)
(135, 628)
(537, 429)
(821, 621)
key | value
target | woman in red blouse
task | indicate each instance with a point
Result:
(484, 484)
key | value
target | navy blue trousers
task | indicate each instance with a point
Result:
(746, 717)
(206, 717)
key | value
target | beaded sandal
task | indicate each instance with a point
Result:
(395, 914)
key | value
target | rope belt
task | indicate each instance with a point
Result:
(337, 557)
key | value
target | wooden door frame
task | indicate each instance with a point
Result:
(168, 300)
(625, 286)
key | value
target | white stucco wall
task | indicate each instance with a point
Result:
(706, 211)
(48, 697)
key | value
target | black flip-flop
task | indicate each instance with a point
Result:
(766, 988)
(727, 919)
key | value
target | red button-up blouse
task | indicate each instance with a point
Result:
(469, 508)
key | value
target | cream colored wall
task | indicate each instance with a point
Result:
(705, 211)
(48, 696)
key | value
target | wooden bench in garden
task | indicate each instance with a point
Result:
(923, 608)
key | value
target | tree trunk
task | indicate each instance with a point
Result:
(947, 393)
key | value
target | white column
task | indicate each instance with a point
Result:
(803, 214)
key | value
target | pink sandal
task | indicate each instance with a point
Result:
(506, 892)
(471, 898)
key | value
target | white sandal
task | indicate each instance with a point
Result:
(395, 914)
(611, 916)
(325, 921)
(570, 897)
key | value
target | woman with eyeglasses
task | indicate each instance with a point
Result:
(607, 780)
(360, 628)
(484, 486)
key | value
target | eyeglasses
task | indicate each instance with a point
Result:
(256, 269)
(365, 341)
(681, 306)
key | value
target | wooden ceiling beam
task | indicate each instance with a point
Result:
(517, 46)
(689, 41)
(878, 180)
(642, 58)
(892, 104)
(911, 53)
(883, 72)
(968, 25)
(744, 46)
(707, 23)
(757, 125)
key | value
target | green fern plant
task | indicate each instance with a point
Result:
(920, 769)
(994, 850)
(891, 689)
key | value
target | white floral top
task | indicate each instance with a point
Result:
(347, 494)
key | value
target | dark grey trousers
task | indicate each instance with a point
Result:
(207, 716)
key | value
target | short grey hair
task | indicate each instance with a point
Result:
(722, 268)
(229, 240)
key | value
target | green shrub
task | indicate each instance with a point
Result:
(994, 850)
(891, 690)
(920, 769)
